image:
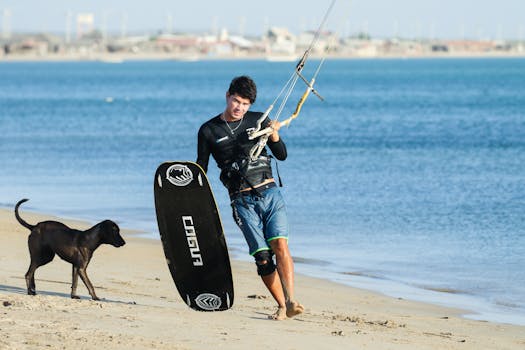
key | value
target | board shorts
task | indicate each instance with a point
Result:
(261, 218)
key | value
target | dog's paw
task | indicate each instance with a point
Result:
(75, 297)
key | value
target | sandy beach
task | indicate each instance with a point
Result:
(141, 309)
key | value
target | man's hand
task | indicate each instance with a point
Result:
(275, 125)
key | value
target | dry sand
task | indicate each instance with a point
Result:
(141, 309)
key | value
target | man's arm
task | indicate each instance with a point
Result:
(203, 149)
(275, 142)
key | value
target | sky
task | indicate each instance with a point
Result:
(452, 19)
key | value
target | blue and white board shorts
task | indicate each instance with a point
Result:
(261, 218)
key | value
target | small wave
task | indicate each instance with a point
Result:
(508, 304)
(360, 274)
(443, 289)
(309, 261)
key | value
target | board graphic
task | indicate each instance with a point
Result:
(192, 236)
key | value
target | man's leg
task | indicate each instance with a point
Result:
(285, 269)
(273, 283)
(266, 269)
(250, 224)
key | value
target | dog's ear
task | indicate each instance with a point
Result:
(110, 226)
(111, 233)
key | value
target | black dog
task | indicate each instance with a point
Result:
(48, 238)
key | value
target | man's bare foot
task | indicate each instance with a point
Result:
(279, 315)
(293, 308)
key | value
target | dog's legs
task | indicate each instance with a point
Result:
(39, 257)
(87, 282)
(30, 279)
(74, 284)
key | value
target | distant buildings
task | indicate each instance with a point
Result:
(275, 44)
(89, 42)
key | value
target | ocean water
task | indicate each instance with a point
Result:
(409, 179)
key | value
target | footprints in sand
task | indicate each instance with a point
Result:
(343, 325)
(357, 325)
(446, 335)
(361, 321)
(65, 326)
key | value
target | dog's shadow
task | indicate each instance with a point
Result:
(23, 291)
(12, 289)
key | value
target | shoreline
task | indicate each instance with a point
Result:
(120, 58)
(142, 309)
(474, 307)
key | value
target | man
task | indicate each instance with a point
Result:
(257, 204)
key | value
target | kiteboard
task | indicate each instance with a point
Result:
(192, 236)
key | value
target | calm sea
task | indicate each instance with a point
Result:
(409, 179)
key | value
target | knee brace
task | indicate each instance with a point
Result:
(264, 262)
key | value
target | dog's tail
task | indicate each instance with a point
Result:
(20, 220)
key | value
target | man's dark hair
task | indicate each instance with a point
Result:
(245, 87)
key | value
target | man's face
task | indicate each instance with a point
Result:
(236, 106)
